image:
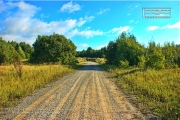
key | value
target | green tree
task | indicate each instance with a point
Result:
(111, 52)
(92, 53)
(126, 48)
(155, 57)
(177, 55)
(7, 53)
(26, 48)
(169, 51)
(53, 48)
(21, 52)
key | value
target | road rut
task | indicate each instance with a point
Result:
(84, 95)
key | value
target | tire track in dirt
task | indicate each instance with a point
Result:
(77, 106)
(119, 107)
(41, 100)
(60, 105)
(86, 95)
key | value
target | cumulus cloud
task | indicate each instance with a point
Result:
(70, 7)
(120, 29)
(151, 28)
(22, 25)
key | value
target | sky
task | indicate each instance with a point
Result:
(89, 23)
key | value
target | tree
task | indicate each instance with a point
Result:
(155, 57)
(21, 52)
(111, 52)
(92, 53)
(26, 48)
(177, 55)
(125, 48)
(129, 49)
(170, 52)
(7, 53)
(53, 48)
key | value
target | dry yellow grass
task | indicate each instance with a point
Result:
(34, 76)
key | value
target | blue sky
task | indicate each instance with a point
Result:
(87, 23)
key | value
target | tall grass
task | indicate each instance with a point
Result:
(159, 90)
(101, 60)
(13, 88)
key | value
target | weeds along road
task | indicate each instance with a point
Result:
(86, 94)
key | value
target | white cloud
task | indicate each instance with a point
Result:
(84, 45)
(176, 25)
(103, 11)
(168, 26)
(84, 33)
(100, 46)
(70, 7)
(23, 26)
(151, 28)
(121, 29)
(84, 20)
(131, 9)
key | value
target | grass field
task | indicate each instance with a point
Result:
(12, 87)
(159, 90)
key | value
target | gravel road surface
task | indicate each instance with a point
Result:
(83, 95)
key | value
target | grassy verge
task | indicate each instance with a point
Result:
(12, 88)
(159, 90)
(100, 60)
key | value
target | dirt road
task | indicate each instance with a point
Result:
(86, 94)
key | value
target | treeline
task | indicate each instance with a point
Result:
(123, 52)
(126, 51)
(12, 51)
(92, 53)
(46, 49)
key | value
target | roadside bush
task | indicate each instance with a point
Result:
(123, 64)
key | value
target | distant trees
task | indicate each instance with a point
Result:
(123, 52)
(26, 48)
(53, 48)
(22, 48)
(8, 54)
(91, 53)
